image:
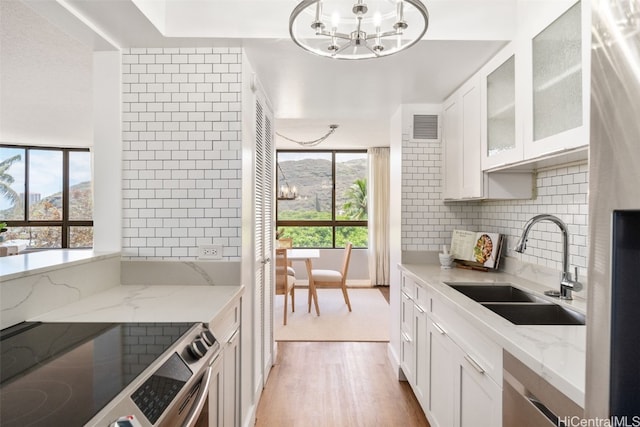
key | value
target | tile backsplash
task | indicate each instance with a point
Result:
(427, 221)
(181, 152)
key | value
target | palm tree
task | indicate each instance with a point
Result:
(356, 205)
(6, 180)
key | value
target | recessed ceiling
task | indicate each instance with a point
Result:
(306, 91)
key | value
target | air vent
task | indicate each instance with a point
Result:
(425, 127)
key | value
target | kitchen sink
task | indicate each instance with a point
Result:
(537, 314)
(499, 292)
(517, 306)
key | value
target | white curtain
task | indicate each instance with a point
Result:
(378, 215)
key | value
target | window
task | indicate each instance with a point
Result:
(46, 196)
(331, 206)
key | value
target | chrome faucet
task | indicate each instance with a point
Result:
(567, 284)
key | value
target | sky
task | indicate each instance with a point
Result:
(45, 171)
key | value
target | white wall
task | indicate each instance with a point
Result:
(46, 82)
(182, 152)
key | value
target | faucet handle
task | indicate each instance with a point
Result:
(577, 286)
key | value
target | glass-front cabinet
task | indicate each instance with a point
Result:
(501, 138)
(557, 74)
(535, 91)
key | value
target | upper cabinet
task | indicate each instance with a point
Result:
(535, 91)
(501, 137)
(556, 69)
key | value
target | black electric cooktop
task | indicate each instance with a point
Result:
(62, 374)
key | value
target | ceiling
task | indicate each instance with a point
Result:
(306, 92)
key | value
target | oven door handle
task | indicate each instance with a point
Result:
(194, 414)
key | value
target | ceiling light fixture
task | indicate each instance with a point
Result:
(360, 30)
(285, 192)
(332, 129)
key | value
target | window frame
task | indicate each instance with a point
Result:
(66, 224)
(333, 222)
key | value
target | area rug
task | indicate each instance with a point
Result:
(369, 320)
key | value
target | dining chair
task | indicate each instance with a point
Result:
(285, 283)
(287, 243)
(329, 279)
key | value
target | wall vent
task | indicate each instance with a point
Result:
(425, 127)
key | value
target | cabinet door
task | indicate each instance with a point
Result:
(472, 184)
(452, 147)
(478, 399)
(557, 75)
(421, 347)
(501, 134)
(407, 349)
(231, 362)
(216, 393)
(441, 384)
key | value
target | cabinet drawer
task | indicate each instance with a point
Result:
(408, 287)
(226, 323)
(478, 347)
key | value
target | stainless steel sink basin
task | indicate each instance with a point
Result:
(517, 306)
(499, 292)
(537, 314)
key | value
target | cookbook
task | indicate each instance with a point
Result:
(477, 248)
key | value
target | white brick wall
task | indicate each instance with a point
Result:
(182, 152)
(427, 221)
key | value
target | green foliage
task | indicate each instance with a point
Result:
(356, 205)
(320, 237)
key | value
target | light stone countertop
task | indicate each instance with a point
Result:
(142, 303)
(557, 353)
(25, 264)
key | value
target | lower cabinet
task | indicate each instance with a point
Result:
(224, 387)
(231, 368)
(454, 372)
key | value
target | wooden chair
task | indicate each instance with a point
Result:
(287, 243)
(285, 283)
(329, 279)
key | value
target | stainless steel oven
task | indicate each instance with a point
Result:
(106, 374)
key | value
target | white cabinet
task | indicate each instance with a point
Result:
(441, 384)
(407, 347)
(477, 397)
(224, 389)
(231, 375)
(535, 91)
(454, 371)
(461, 138)
(462, 153)
(555, 49)
(501, 136)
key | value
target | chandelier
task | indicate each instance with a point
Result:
(313, 143)
(341, 30)
(285, 192)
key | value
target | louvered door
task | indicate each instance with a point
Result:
(263, 239)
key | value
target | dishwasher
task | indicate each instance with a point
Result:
(530, 401)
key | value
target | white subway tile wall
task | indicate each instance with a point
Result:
(181, 152)
(427, 221)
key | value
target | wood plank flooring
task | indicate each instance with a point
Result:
(336, 384)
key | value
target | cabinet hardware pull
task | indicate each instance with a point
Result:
(420, 309)
(407, 296)
(233, 337)
(439, 328)
(406, 337)
(546, 411)
(473, 363)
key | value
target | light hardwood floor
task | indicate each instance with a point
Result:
(336, 384)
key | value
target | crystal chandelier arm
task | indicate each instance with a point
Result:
(332, 129)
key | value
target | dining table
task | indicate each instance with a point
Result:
(306, 255)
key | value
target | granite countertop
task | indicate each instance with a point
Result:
(557, 353)
(143, 303)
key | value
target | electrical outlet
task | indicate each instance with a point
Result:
(210, 252)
